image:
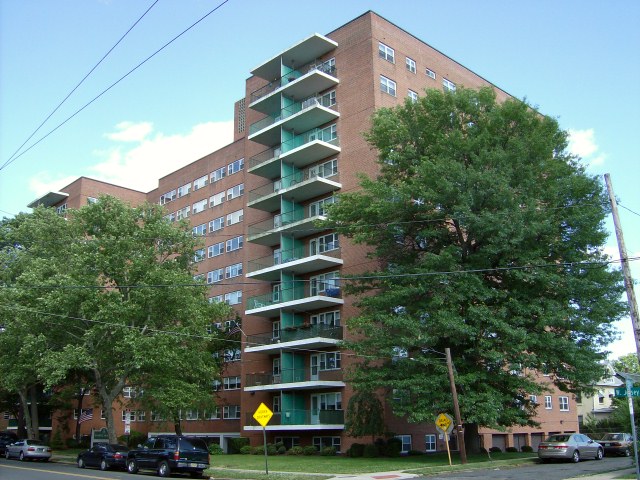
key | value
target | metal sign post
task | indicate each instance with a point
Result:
(633, 424)
(444, 424)
(262, 415)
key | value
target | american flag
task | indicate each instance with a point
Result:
(86, 415)
(234, 330)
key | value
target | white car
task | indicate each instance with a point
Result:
(27, 450)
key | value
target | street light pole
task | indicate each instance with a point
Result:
(456, 408)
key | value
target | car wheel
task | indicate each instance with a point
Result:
(132, 466)
(6, 454)
(575, 458)
(21, 456)
(104, 465)
(163, 469)
(599, 454)
(81, 462)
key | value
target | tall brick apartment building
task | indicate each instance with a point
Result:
(298, 141)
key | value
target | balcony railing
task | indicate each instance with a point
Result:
(285, 256)
(292, 180)
(291, 334)
(291, 110)
(301, 417)
(293, 375)
(299, 292)
(274, 153)
(292, 76)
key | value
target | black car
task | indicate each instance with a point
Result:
(7, 438)
(104, 456)
(168, 454)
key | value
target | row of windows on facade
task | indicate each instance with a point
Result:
(201, 182)
(217, 249)
(214, 225)
(201, 205)
(389, 54)
(563, 402)
(430, 444)
(231, 412)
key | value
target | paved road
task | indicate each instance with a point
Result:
(546, 471)
(15, 470)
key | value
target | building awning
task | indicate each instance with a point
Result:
(49, 199)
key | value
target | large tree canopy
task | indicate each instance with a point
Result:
(486, 237)
(109, 291)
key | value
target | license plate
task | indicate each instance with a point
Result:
(193, 465)
(41, 449)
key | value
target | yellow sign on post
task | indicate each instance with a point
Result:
(444, 424)
(263, 415)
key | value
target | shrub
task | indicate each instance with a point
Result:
(415, 453)
(371, 451)
(134, 439)
(309, 450)
(495, 450)
(71, 443)
(483, 450)
(245, 449)
(356, 450)
(235, 444)
(215, 449)
(526, 449)
(56, 441)
(297, 450)
(282, 450)
(393, 447)
(511, 450)
(278, 445)
(328, 451)
(272, 449)
(258, 450)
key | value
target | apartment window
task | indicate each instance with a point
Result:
(232, 383)
(216, 299)
(134, 416)
(200, 230)
(216, 385)
(200, 206)
(167, 197)
(320, 283)
(331, 319)
(412, 95)
(182, 213)
(329, 361)
(156, 417)
(216, 199)
(131, 392)
(91, 200)
(198, 183)
(430, 73)
(192, 415)
(406, 443)
(533, 399)
(324, 170)
(198, 278)
(386, 52)
(216, 224)
(387, 85)
(218, 174)
(448, 85)
(318, 208)
(198, 255)
(235, 167)
(235, 191)
(234, 217)
(61, 209)
(231, 412)
(215, 276)
(103, 415)
(322, 442)
(411, 65)
(170, 217)
(276, 405)
(564, 404)
(233, 298)
(326, 134)
(215, 250)
(325, 243)
(547, 402)
(235, 243)
(234, 270)
(430, 443)
(215, 415)
(184, 190)
(232, 355)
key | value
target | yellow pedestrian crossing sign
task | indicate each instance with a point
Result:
(444, 423)
(263, 415)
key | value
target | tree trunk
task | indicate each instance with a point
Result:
(25, 412)
(177, 425)
(107, 398)
(35, 421)
(80, 401)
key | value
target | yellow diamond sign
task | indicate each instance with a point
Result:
(263, 415)
(444, 423)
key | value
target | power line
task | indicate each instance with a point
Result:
(635, 213)
(78, 85)
(9, 162)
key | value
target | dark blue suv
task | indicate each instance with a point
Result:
(170, 453)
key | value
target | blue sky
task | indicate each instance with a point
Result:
(576, 60)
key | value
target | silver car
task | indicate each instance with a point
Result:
(569, 446)
(27, 450)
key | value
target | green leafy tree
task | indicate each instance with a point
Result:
(118, 299)
(485, 236)
(627, 363)
(365, 415)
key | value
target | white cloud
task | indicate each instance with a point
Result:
(140, 166)
(583, 144)
(130, 132)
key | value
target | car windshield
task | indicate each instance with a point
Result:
(558, 438)
(613, 436)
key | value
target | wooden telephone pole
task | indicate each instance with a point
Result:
(626, 271)
(456, 408)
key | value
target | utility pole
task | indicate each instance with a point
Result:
(626, 271)
(456, 408)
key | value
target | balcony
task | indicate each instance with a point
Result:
(294, 379)
(299, 117)
(300, 419)
(301, 297)
(296, 224)
(300, 83)
(304, 185)
(298, 261)
(308, 336)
